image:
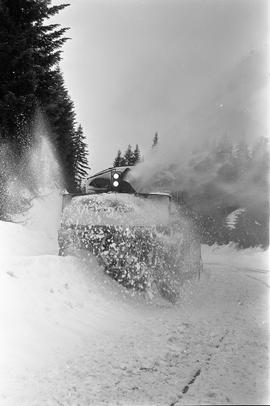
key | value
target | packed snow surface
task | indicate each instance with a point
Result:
(72, 336)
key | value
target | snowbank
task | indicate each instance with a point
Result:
(50, 305)
(254, 258)
(71, 335)
(35, 232)
(16, 239)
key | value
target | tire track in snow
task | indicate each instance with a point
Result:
(259, 280)
(198, 372)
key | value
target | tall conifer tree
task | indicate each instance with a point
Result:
(118, 159)
(136, 155)
(155, 140)
(128, 156)
(80, 161)
(30, 52)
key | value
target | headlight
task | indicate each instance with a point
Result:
(116, 176)
(115, 183)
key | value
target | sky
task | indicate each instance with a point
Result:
(137, 67)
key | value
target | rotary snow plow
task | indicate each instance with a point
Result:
(140, 239)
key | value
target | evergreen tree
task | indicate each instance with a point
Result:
(155, 140)
(118, 160)
(59, 109)
(128, 156)
(136, 155)
(80, 159)
(30, 52)
(222, 150)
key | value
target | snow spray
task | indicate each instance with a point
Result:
(235, 113)
(46, 209)
(41, 186)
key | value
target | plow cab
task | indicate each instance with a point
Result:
(139, 239)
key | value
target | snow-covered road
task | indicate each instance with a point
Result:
(210, 348)
(70, 336)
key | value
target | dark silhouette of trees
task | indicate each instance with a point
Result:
(130, 158)
(239, 180)
(155, 140)
(30, 52)
(80, 157)
(118, 159)
(136, 155)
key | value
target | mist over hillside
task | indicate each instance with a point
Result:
(219, 161)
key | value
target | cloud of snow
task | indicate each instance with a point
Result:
(116, 209)
(237, 111)
(41, 187)
(44, 215)
(43, 160)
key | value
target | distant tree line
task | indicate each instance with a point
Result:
(30, 52)
(239, 181)
(225, 178)
(131, 157)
